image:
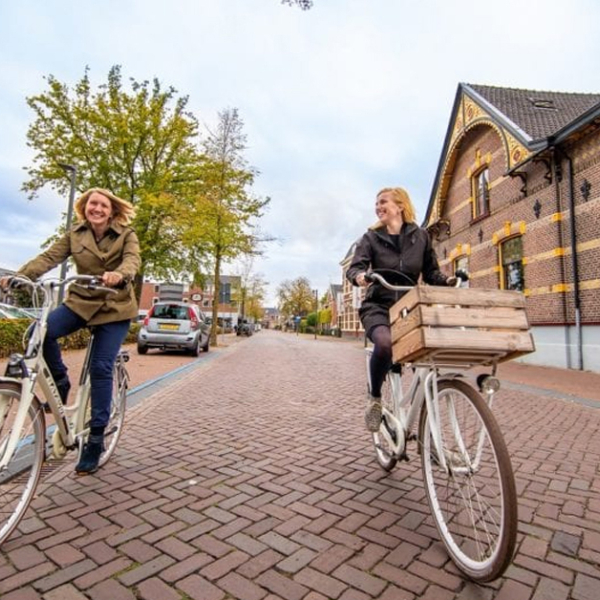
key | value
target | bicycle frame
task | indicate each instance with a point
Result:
(406, 407)
(33, 369)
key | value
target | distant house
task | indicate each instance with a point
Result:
(351, 298)
(271, 318)
(334, 302)
(516, 200)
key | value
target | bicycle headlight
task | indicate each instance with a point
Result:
(14, 366)
(488, 384)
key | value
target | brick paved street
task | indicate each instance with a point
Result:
(249, 476)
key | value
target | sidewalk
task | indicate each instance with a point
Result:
(570, 383)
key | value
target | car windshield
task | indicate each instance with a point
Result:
(170, 311)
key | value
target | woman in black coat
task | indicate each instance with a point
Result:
(395, 242)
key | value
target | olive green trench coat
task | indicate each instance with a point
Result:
(118, 250)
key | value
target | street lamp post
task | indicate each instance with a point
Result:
(316, 312)
(72, 169)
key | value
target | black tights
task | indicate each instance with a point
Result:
(381, 359)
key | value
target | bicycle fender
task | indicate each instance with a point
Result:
(451, 376)
(4, 379)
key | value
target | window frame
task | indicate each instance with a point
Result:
(480, 210)
(504, 264)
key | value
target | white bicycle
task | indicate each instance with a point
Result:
(23, 434)
(466, 466)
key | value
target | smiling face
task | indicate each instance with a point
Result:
(98, 211)
(386, 209)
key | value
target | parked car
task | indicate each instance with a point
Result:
(8, 311)
(245, 328)
(174, 326)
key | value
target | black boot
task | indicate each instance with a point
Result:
(90, 455)
(63, 385)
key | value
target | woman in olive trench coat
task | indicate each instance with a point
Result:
(100, 244)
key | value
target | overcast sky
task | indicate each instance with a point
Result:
(338, 101)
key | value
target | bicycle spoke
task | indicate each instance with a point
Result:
(473, 500)
(19, 478)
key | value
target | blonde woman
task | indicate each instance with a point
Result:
(398, 244)
(102, 244)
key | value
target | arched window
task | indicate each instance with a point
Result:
(512, 264)
(481, 193)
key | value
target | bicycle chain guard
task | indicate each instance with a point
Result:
(58, 447)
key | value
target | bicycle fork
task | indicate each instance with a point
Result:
(464, 463)
(9, 446)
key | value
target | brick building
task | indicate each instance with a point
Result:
(516, 201)
(351, 297)
(229, 309)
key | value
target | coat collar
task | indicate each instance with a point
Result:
(407, 229)
(116, 227)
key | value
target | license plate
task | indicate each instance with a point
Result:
(168, 326)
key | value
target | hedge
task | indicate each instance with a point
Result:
(12, 331)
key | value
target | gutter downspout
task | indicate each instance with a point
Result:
(574, 262)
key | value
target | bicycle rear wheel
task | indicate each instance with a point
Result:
(473, 500)
(18, 481)
(384, 451)
(114, 427)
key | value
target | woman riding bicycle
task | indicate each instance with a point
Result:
(395, 243)
(103, 245)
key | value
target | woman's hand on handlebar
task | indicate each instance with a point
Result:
(362, 280)
(111, 278)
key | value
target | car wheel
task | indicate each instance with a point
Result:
(142, 349)
(195, 351)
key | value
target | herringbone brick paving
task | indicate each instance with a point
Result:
(251, 477)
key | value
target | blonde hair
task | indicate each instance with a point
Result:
(123, 211)
(402, 200)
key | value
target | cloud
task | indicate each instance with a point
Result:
(337, 101)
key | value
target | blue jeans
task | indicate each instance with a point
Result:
(108, 338)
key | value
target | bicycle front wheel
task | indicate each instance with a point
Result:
(473, 498)
(19, 479)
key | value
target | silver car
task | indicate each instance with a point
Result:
(174, 326)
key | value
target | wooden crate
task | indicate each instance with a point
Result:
(459, 326)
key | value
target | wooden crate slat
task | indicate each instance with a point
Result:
(438, 337)
(465, 346)
(431, 294)
(496, 317)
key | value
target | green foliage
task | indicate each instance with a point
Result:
(295, 297)
(137, 142)
(11, 335)
(13, 330)
(325, 316)
(222, 217)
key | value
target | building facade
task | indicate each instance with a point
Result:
(228, 312)
(516, 202)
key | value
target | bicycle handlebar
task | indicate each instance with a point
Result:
(89, 282)
(460, 276)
